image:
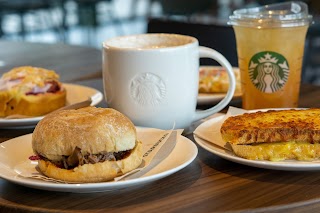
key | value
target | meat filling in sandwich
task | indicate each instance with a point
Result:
(79, 157)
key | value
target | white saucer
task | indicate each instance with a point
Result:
(17, 150)
(209, 98)
(75, 93)
(288, 165)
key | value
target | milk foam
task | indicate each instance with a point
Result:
(150, 41)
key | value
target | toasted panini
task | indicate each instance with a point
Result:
(273, 126)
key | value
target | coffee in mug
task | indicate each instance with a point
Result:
(153, 78)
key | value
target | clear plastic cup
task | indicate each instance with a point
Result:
(270, 46)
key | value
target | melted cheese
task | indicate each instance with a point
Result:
(301, 151)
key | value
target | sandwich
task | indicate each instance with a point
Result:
(86, 145)
(30, 91)
(274, 135)
(215, 79)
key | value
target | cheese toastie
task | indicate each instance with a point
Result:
(275, 134)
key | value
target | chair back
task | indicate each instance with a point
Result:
(216, 36)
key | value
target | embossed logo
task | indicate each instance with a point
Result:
(147, 89)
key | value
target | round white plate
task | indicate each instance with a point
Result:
(17, 150)
(208, 98)
(288, 165)
(75, 93)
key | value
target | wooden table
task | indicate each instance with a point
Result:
(208, 184)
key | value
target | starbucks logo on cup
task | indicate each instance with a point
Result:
(268, 71)
(147, 89)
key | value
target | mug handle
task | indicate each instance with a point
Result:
(205, 52)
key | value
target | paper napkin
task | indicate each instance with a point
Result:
(210, 130)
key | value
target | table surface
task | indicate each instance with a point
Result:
(208, 184)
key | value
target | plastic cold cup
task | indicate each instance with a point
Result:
(270, 46)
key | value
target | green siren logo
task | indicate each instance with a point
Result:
(268, 71)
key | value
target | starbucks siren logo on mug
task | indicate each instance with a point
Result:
(268, 71)
(147, 89)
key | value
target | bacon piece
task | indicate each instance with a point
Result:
(50, 87)
(34, 157)
(55, 87)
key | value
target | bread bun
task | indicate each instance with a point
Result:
(94, 131)
(30, 91)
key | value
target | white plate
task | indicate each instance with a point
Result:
(75, 93)
(17, 150)
(288, 165)
(207, 98)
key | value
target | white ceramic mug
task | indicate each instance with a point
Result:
(153, 79)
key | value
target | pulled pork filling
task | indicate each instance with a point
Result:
(80, 158)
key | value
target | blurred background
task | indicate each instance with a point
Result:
(90, 22)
